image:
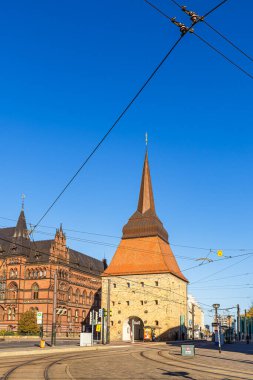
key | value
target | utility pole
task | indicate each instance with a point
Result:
(53, 335)
(108, 311)
(245, 323)
(238, 323)
(216, 307)
(193, 321)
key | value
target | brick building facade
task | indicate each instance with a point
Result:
(27, 280)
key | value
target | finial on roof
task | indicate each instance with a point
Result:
(146, 140)
(61, 227)
(23, 200)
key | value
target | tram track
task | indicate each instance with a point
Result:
(170, 357)
(214, 371)
(42, 361)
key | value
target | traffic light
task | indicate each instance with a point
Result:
(110, 313)
(105, 313)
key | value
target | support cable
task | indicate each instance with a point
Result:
(109, 130)
(229, 41)
(223, 55)
(201, 18)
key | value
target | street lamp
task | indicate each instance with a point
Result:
(216, 307)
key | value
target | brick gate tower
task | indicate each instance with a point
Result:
(146, 290)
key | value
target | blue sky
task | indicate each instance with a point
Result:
(67, 70)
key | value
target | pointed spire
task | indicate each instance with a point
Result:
(145, 222)
(146, 197)
(21, 227)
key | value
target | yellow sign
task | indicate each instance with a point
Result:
(98, 328)
(219, 252)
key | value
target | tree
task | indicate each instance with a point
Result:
(28, 323)
(249, 313)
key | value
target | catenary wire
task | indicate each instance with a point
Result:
(229, 41)
(203, 40)
(223, 55)
(119, 237)
(122, 114)
(110, 130)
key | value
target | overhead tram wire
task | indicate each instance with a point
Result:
(214, 29)
(122, 114)
(106, 244)
(119, 237)
(110, 129)
(223, 55)
(36, 250)
(229, 41)
(202, 39)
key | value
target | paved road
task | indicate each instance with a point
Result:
(140, 361)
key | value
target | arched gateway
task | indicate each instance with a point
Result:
(132, 329)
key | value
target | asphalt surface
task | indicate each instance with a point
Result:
(131, 361)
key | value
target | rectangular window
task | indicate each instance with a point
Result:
(128, 303)
(142, 302)
(128, 285)
(113, 303)
(76, 316)
(156, 302)
(142, 284)
(114, 285)
(156, 283)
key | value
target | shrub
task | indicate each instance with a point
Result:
(28, 323)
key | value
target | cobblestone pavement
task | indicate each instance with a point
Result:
(139, 361)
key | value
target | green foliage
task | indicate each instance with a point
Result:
(28, 323)
(250, 312)
(3, 332)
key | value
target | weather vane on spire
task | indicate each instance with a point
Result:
(146, 139)
(23, 200)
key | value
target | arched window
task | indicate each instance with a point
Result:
(9, 314)
(76, 315)
(70, 294)
(69, 315)
(97, 300)
(36, 273)
(41, 273)
(16, 273)
(84, 315)
(1, 313)
(12, 275)
(84, 297)
(32, 273)
(12, 290)
(2, 291)
(35, 291)
(77, 295)
(13, 314)
(91, 297)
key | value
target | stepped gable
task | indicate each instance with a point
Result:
(144, 247)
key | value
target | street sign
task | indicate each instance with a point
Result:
(39, 317)
(98, 328)
(215, 324)
(188, 350)
(100, 313)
